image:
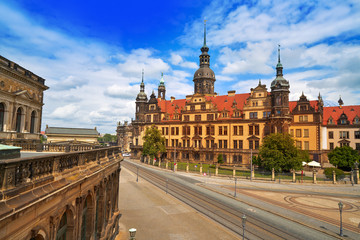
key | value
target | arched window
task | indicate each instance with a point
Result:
(2, 114)
(32, 122)
(18, 120)
(61, 233)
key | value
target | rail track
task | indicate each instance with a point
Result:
(220, 211)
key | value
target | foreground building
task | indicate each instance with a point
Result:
(204, 124)
(21, 102)
(62, 196)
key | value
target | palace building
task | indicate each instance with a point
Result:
(21, 102)
(205, 124)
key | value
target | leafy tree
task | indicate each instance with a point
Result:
(220, 159)
(107, 138)
(343, 157)
(278, 151)
(154, 143)
(329, 173)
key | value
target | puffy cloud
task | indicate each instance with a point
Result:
(177, 60)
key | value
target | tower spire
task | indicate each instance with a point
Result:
(142, 77)
(278, 53)
(205, 33)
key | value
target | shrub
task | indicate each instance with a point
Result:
(329, 173)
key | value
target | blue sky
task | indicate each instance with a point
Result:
(91, 53)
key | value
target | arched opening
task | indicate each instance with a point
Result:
(32, 122)
(61, 233)
(86, 224)
(2, 116)
(66, 226)
(18, 120)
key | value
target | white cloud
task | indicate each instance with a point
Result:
(177, 60)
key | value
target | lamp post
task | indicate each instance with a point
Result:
(137, 174)
(243, 218)
(340, 209)
(235, 189)
(132, 232)
(251, 165)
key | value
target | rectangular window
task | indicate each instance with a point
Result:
(298, 144)
(225, 130)
(208, 130)
(235, 130)
(331, 146)
(220, 130)
(177, 130)
(163, 131)
(241, 130)
(256, 144)
(357, 146)
(173, 142)
(298, 132)
(220, 143)
(210, 117)
(235, 144)
(192, 108)
(198, 118)
(212, 143)
(167, 142)
(212, 130)
(253, 115)
(188, 143)
(306, 133)
(240, 144)
(207, 143)
(331, 135)
(148, 118)
(257, 130)
(305, 118)
(172, 131)
(301, 118)
(186, 118)
(306, 145)
(225, 143)
(184, 130)
(357, 134)
(200, 130)
(344, 134)
(250, 144)
(251, 130)
(292, 132)
(264, 114)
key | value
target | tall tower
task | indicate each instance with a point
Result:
(204, 77)
(141, 101)
(280, 115)
(161, 88)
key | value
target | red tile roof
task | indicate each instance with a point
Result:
(313, 103)
(335, 112)
(221, 102)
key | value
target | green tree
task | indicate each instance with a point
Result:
(220, 159)
(278, 151)
(154, 143)
(343, 157)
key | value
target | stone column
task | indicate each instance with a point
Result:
(187, 167)
(334, 177)
(314, 176)
(294, 176)
(252, 172)
(273, 175)
(159, 162)
(217, 170)
(234, 171)
(153, 162)
(200, 168)
(356, 175)
(166, 165)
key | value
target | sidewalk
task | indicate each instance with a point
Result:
(157, 215)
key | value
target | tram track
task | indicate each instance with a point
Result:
(217, 210)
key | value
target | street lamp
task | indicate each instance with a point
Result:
(243, 218)
(132, 232)
(341, 208)
(137, 174)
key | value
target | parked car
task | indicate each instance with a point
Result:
(126, 154)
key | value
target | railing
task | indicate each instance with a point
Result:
(55, 147)
(31, 171)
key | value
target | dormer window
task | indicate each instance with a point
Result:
(356, 120)
(330, 121)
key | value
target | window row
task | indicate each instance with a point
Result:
(300, 133)
(344, 134)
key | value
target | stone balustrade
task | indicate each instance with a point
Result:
(34, 170)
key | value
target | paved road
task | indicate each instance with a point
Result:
(253, 192)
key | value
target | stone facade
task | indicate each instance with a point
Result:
(72, 196)
(21, 102)
(124, 135)
(71, 135)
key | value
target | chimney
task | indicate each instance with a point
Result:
(231, 93)
(172, 98)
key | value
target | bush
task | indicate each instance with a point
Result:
(339, 173)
